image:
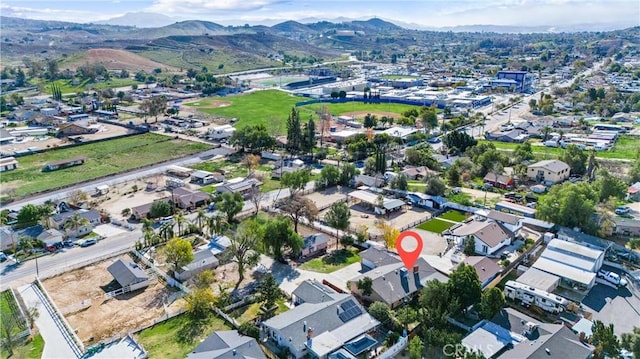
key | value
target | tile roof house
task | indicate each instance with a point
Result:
(189, 199)
(633, 192)
(128, 274)
(489, 236)
(415, 173)
(394, 284)
(227, 344)
(514, 335)
(553, 171)
(318, 329)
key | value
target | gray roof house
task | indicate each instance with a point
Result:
(58, 221)
(315, 244)
(376, 257)
(312, 291)
(243, 187)
(488, 235)
(514, 335)
(393, 283)
(128, 273)
(227, 344)
(318, 329)
(8, 238)
(202, 260)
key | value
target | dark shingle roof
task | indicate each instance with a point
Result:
(127, 272)
(379, 257)
(312, 291)
(227, 344)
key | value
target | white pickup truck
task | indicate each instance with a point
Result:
(612, 277)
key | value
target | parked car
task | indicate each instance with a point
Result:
(3, 257)
(622, 210)
(434, 140)
(88, 242)
(612, 277)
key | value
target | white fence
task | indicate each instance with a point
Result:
(393, 350)
(170, 280)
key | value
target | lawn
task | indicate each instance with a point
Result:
(435, 225)
(626, 147)
(26, 350)
(8, 305)
(251, 311)
(333, 261)
(228, 168)
(103, 158)
(455, 216)
(177, 337)
(270, 108)
(66, 86)
(350, 107)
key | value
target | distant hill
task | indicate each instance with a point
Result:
(182, 28)
(375, 25)
(291, 26)
(140, 20)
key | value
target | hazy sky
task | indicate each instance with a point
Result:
(436, 13)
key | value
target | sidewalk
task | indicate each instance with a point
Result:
(55, 342)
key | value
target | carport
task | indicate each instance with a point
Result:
(373, 200)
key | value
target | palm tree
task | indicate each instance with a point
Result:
(200, 220)
(216, 224)
(545, 132)
(26, 245)
(75, 222)
(147, 225)
(180, 220)
(166, 231)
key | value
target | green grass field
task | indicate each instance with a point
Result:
(351, 107)
(435, 225)
(177, 337)
(9, 305)
(269, 108)
(66, 86)
(333, 261)
(31, 349)
(455, 216)
(625, 148)
(103, 158)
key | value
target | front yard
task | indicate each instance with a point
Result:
(332, 261)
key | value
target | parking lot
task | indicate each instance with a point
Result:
(618, 306)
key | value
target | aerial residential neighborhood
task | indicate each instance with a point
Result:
(319, 188)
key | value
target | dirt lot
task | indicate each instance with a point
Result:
(121, 196)
(105, 318)
(45, 142)
(119, 59)
(362, 216)
(327, 197)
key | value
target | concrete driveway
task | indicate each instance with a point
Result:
(108, 230)
(618, 306)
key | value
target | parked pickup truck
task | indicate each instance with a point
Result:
(612, 277)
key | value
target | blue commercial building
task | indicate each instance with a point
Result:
(518, 81)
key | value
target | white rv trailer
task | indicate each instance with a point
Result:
(540, 298)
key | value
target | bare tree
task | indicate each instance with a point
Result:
(256, 196)
(77, 196)
(298, 207)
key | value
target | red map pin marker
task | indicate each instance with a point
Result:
(409, 258)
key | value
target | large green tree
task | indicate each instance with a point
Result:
(605, 340)
(294, 131)
(338, 217)
(296, 180)
(491, 303)
(465, 285)
(178, 252)
(280, 236)
(435, 303)
(253, 138)
(576, 159)
(329, 176)
(609, 186)
(457, 142)
(230, 204)
(570, 205)
(243, 249)
(631, 341)
(298, 207)
(268, 291)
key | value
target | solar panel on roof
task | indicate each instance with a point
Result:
(350, 313)
(347, 305)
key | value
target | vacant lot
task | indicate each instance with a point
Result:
(103, 318)
(103, 158)
(177, 337)
(270, 108)
(435, 225)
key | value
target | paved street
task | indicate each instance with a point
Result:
(117, 178)
(25, 272)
